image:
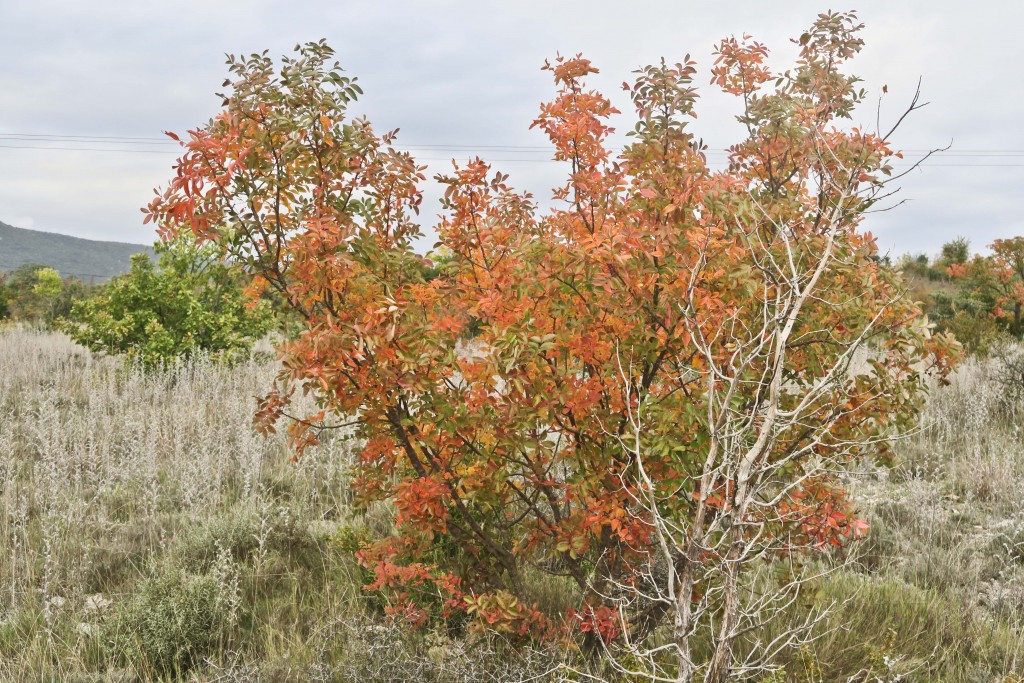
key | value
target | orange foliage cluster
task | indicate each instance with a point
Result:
(494, 388)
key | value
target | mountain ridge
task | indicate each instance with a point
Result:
(88, 260)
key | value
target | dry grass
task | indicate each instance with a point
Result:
(111, 475)
(128, 497)
(936, 591)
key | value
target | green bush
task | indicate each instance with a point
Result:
(175, 620)
(191, 301)
(978, 332)
(37, 294)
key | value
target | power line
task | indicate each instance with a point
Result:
(88, 149)
(87, 137)
(476, 148)
(39, 142)
(455, 146)
(153, 151)
(448, 159)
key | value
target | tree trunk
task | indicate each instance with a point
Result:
(721, 662)
(681, 623)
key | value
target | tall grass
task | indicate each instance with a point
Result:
(936, 591)
(147, 533)
(113, 477)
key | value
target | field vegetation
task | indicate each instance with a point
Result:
(660, 393)
(150, 534)
(684, 425)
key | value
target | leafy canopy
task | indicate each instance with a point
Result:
(494, 388)
(37, 294)
(48, 283)
(190, 301)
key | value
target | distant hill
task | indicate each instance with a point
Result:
(88, 260)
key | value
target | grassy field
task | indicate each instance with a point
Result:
(149, 534)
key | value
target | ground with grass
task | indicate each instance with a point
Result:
(149, 534)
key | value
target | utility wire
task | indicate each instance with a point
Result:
(88, 137)
(456, 146)
(88, 149)
(143, 145)
(448, 159)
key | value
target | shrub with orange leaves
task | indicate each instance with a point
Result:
(631, 383)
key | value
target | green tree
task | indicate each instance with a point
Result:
(956, 251)
(191, 301)
(32, 293)
(48, 287)
(48, 283)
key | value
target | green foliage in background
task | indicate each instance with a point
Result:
(191, 301)
(5, 306)
(48, 283)
(979, 298)
(36, 294)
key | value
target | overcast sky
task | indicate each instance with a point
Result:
(465, 74)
